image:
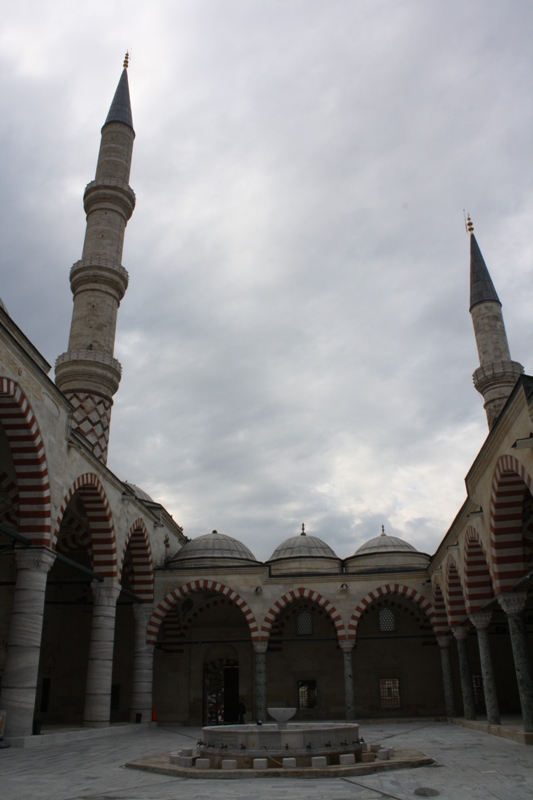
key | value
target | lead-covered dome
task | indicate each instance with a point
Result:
(387, 553)
(304, 553)
(212, 549)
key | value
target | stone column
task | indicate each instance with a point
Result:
(513, 605)
(143, 665)
(347, 649)
(481, 621)
(100, 668)
(260, 649)
(19, 683)
(444, 643)
(469, 706)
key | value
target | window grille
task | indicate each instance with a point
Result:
(390, 692)
(304, 624)
(307, 696)
(387, 621)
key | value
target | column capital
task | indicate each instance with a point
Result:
(260, 647)
(444, 641)
(142, 611)
(512, 602)
(347, 645)
(481, 619)
(460, 633)
(105, 594)
(38, 559)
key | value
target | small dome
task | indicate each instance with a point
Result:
(139, 493)
(303, 546)
(384, 544)
(213, 546)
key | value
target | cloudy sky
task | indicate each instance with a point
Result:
(295, 341)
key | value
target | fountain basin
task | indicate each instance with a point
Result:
(281, 714)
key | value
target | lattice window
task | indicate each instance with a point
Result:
(387, 621)
(307, 696)
(304, 624)
(389, 689)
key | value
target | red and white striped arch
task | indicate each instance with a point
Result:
(455, 599)
(198, 586)
(389, 588)
(440, 625)
(100, 519)
(509, 486)
(29, 459)
(478, 583)
(142, 561)
(298, 594)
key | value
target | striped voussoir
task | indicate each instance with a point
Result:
(100, 520)
(509, 485)
(9, 503)
(74, 536)
(29, 459)
(381, 591)
(198, 586)
(440, 625)
(478, 582)
(297, 594)
(141, 560)
(92, 417)
(454, 593)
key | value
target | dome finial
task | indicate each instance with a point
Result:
(127, 59)
(383, 530)
(303, 530)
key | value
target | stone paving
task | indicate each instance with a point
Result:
(470, 766)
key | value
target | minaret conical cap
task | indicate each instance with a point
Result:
(481, 286)
(120, 110)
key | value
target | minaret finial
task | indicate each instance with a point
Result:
(469, 224)
(303, 530)
(127, 59)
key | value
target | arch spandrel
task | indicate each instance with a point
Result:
(406, 592)
(298, 594)
(174, 597)
(100, 519)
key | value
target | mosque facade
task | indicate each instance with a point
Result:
(109, 613)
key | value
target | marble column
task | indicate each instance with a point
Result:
(100, 669)
(143, 666)
(481, 621)
(260, 649)
(513, 606)
(349, 699)
(444, 643)
(19, 682)
(469, 705)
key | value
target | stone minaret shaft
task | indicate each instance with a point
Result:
(497, 374)
(88, 374)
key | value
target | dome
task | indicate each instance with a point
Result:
(139, 493)
(213, 547)
(386, 554)
(304, 554)
(384, 544)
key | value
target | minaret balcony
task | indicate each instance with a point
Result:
(111, 194)
(99, 273)
(90, 370)
(498, 373)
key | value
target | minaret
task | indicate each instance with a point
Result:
(497, 375)
(88, 374)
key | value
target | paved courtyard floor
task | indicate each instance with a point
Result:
(469, 766)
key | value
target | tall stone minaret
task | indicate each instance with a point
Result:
(87, 373)
(497, 375)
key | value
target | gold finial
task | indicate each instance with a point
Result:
(383, 530)
(469, 224)
(303, 530)
(127, 59)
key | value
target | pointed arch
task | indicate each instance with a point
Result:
(100, 519)
(509, 485)
(198, 586)
(298, 594)
(478, 582)
(441, 626)
(455, 599)
(142, 561)
(29, 459)
(389, 588)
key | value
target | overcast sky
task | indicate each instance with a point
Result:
(296, 343)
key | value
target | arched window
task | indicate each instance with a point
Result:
(387, 622)
(304, 624)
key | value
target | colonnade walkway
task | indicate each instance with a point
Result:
(470, 765)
